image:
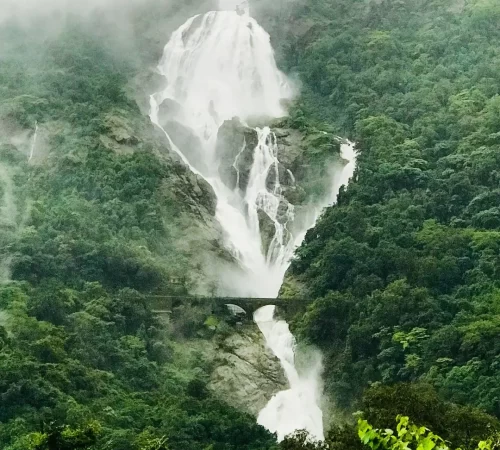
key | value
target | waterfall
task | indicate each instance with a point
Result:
(298, 407)
(33, 142)
(219, 66)
(295, 408)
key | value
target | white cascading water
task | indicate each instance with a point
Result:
(218, 66)
(295, 408)
(33, 142)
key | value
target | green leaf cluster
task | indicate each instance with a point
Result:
(407, 436)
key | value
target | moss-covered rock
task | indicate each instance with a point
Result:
(305, 157)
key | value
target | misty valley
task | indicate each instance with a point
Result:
(256, 224)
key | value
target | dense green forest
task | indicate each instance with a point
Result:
(404, 270)
(83, 362)
(406, 267)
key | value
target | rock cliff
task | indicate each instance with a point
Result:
(304, 169)
(235, 152)
(246, 374)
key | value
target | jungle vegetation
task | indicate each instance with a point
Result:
(404, 270)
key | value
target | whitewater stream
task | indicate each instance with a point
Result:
(296, 408)
(33, 143)
(218, 66)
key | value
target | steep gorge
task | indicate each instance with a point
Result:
(223, 92)
(213, 199)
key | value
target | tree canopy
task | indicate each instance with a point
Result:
(405, 267)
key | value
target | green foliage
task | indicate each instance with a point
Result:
(109, 360)
(300, 440)
(65, 438)
(80, 348)
(147, 442)
(464, 426)
(453, 426)
(404, 269)
(407, 436)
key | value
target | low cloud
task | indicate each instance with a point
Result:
(28, 9)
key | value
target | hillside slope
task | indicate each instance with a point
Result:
(405, 268)
(96, 211)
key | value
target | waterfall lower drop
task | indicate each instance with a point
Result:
(218, 66)
(295, 408)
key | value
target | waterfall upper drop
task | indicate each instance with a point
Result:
(219, 66)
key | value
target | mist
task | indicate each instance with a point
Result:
(134, 30)
(13, 215)
(28, 9)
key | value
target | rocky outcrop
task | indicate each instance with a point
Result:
(234, 150)
(191, 191)
(246, 374)
(267, 229)
(305, 159)
(124, 133)
(168, 110)
(143, 84)
(302, 175)
(184, 138)
(120, 136)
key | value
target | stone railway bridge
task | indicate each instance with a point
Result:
(286, 307)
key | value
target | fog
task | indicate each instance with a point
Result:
(27, 9)
(10, 218)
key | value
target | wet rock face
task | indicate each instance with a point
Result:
(235, 151)
(267, 229)
(290, 151)
(303, 159)
(168, 110)
(184, 138)
(199, 191)
(247, 373)
(306, 157)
